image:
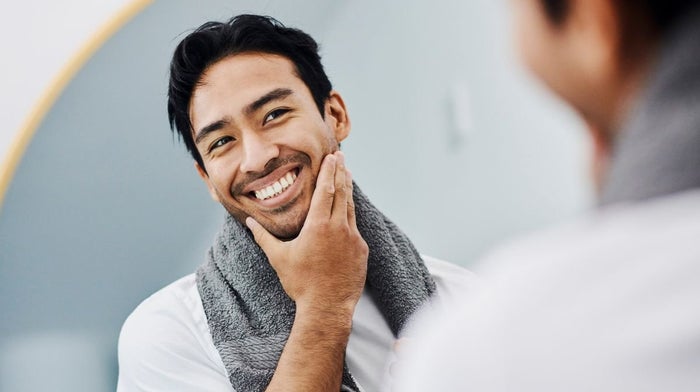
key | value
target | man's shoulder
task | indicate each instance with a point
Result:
(619, 281)
(163, 318)
(630, 232)
(172, 301)
(167, 337)
(449, 278)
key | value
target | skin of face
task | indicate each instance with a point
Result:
(255, 122)
(573, 57)
(585, 61)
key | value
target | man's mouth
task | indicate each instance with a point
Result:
(277, 187)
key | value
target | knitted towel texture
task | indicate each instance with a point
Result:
(250, 315)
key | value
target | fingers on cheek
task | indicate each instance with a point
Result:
(328, 175)
(348, 182)
(328, 166)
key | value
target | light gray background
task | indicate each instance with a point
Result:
(451, 139)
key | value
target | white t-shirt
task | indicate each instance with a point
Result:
(610, 303)
(165, 344)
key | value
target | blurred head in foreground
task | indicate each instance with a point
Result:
(597, 55)
(608, 302)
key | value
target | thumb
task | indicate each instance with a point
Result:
(267, 241)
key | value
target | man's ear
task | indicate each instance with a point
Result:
(337, 116)
(205, 177)
(598, 31)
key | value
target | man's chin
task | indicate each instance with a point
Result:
(284, 226)
(285, 233)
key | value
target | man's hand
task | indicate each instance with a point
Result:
(324, 268)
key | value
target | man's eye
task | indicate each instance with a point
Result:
(220, 142)
(274, 114)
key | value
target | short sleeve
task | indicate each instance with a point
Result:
(164, 345)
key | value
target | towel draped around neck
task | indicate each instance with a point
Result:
(250, 315)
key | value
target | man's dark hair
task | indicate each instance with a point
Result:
(214, 41)
(556, 10)
(663, 13)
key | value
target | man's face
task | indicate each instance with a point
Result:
(262, 138)
(542, 45)
(575, 58)
(578, 56)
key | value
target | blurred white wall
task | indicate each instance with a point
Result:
(450, 136)
(55, 361)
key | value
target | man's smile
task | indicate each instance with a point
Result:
(277, 187)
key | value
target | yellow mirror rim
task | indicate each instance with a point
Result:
(36, 115)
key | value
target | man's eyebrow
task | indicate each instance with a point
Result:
(278, 93)
(215, 126)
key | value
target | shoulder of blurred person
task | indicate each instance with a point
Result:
(606, 303)
(601, 304)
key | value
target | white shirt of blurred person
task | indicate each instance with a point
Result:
(609, 302)
(256, 110)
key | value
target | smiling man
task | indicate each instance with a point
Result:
(307, 286)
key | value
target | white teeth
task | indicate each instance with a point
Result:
(277, 187)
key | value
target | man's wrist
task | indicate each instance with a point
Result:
(336, 317)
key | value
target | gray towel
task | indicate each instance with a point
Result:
(250, 316)
(658, 151)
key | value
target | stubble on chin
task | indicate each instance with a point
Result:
(282, 222)
(295, 223)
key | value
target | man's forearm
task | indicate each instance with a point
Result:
(323, 270)
(312, 359)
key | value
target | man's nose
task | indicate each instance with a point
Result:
(257, 152)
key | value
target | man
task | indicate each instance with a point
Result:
(609, 303)
(318, 304)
